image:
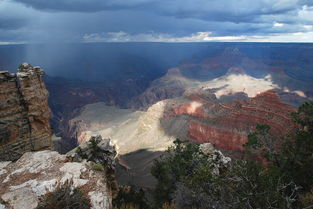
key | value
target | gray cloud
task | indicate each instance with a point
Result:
(83, 5)
(7, 23)
(213, 10)
(139, 20)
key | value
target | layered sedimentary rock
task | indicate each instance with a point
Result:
(24, 112)
(227, 125)
(35, 175)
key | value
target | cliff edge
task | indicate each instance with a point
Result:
(24, 112)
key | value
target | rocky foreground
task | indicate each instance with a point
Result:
(26, 182)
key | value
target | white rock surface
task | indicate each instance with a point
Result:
(216, 157)
(98, 200)
(21, 198)
(3, 165)
(207, 148)
(35, 174)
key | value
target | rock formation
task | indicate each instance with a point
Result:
(101, 152)
(24, 112)
(27, 181)
(227, 125)
(215, 157)
(198, 115)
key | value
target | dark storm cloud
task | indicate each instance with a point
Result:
(83, 5)
(213, 10)
(144, 20)
(226, 10)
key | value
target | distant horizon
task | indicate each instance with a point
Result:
(106, 60)
(156, 42)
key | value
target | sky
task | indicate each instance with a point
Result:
(50, 21)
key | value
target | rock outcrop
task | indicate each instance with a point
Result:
(35, 175)
(96, 150)
(24, 112)
(215, 157)
(102, 153)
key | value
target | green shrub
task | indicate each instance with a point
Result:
(130, 198)
(292, 155)
(179, 161)
(65, 197)
(127, 206)
(97, 167)
(243, 184)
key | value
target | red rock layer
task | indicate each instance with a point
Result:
(225, 139)
(227, 125)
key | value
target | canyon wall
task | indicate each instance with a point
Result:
(227, 125)
(24, 112)
(198, 116)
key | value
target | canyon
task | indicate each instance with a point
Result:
(229, 92)
(230, 71)
(218, 96)
(219, 100)
(142, 136)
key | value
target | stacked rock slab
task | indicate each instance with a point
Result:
(24, 112)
